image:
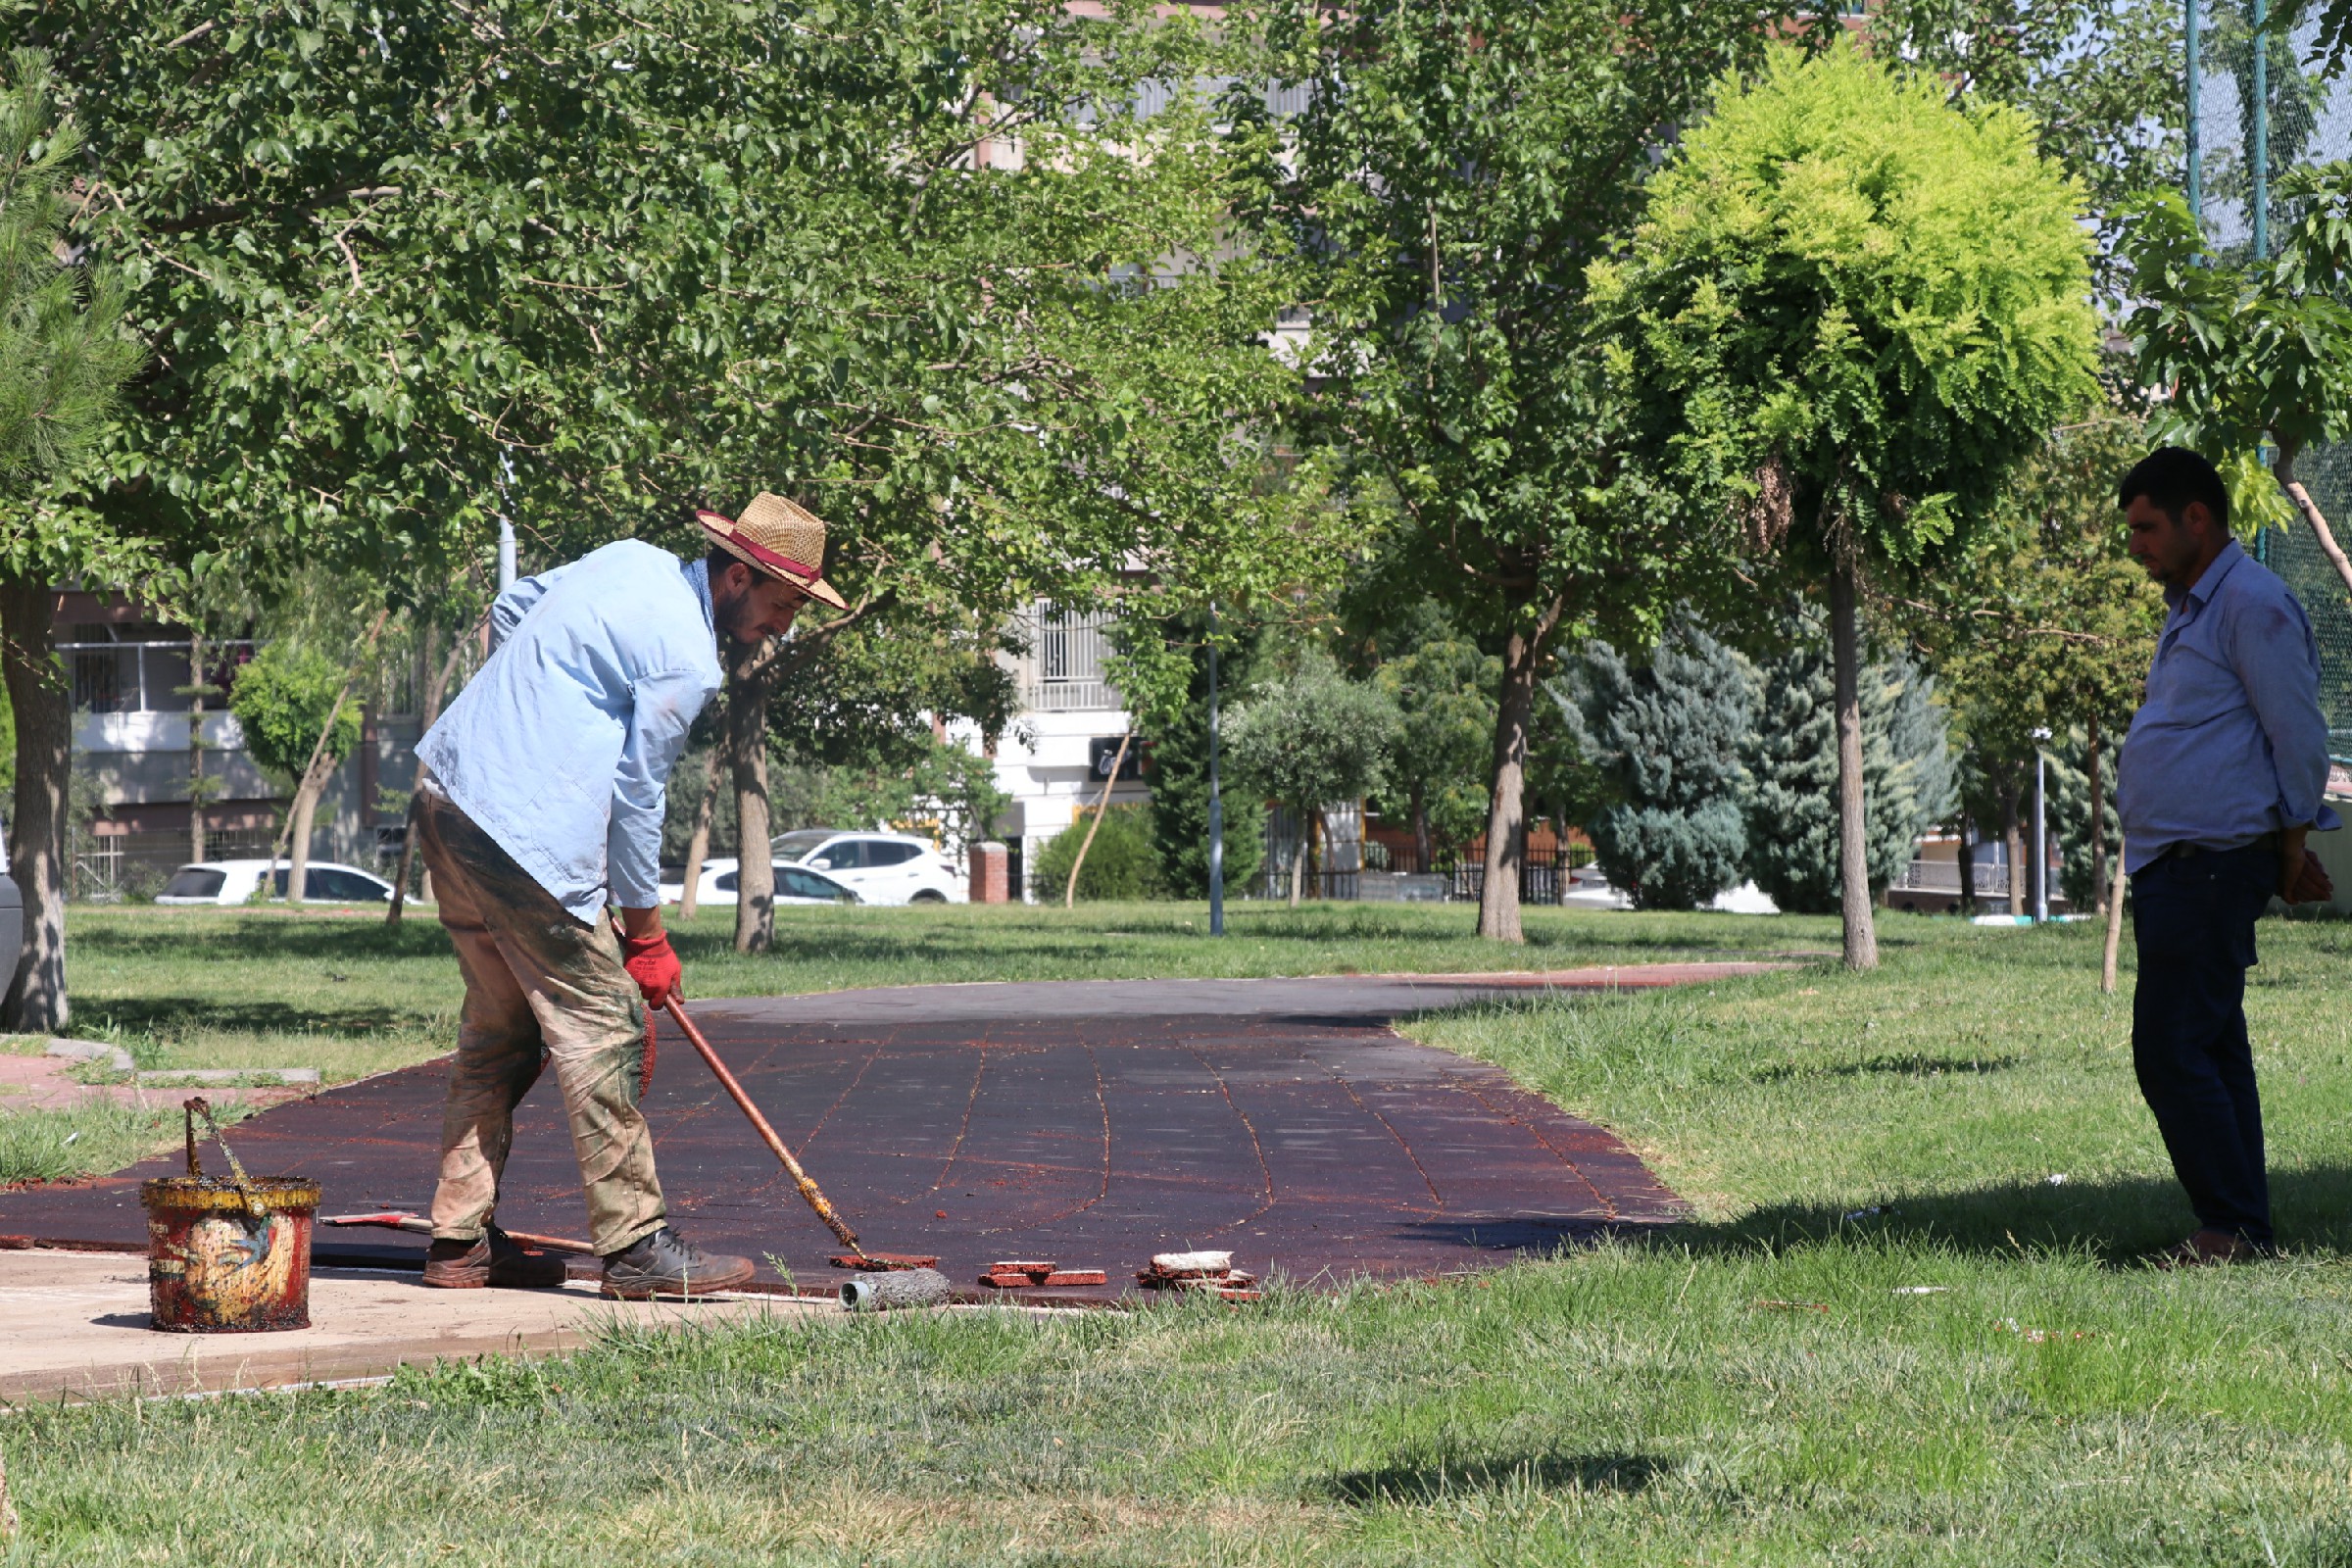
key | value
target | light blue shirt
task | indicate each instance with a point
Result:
(2231, 743)
(560, 748)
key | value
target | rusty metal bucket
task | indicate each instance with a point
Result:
(228, 1256)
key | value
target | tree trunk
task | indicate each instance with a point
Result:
(1853, 847)
(1967, 864)
(36, 851)
(1421, 845)
(299, 820)
(196, 780)
(1069, 893)
(698, 844)
(1319, 862)
(436, 688)
(2284, 469)
(1297, 855)
(2115, 923)
(2098, 825)
(2013, 844)
(747, 762)
(317, 771)
(1506, 807)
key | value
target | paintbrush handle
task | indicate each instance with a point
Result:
(801, 1178)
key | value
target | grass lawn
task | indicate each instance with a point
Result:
(1889, 1337)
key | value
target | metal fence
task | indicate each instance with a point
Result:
(1350, 864)
(108, 869)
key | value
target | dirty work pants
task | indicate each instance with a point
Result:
(2193, 926)
(536, 980)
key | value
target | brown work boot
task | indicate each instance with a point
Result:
(667, 1264)
(494, 1259)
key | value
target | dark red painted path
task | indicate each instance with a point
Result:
(1093, 1123)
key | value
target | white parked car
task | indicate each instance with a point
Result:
(880, 867)
(234, 881)
(795, 884)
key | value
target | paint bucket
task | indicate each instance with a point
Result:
(228, 1260)
(227, 1256)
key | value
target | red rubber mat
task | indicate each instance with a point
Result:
(1090, 1124)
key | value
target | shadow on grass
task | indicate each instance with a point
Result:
(1547, 1472)
(2117, 1221)
(261, 938)
(1911, 1065)
(144, 1015)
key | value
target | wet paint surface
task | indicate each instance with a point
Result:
(1282, 1121)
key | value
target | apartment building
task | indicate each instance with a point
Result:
(138, 783)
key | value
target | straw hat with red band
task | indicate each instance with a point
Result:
(774, 536)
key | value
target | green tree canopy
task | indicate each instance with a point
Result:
(1309, 737)
(959, 274)
(1853, 307)
(2044, 623)
(2097, 79)
(281, 699)
(1458, 170)
(2255, 351)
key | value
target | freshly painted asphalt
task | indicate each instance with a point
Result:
(1089, 1122)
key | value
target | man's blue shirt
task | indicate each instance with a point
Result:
(2231, 743)
(560, 748)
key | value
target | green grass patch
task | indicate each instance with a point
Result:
(1889, 1337)
(46, 1146)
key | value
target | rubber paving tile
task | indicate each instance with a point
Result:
(1093, 1123)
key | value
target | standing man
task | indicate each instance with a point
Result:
(543, 805)
(2220, 781)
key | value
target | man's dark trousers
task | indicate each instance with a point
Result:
(2193, 924)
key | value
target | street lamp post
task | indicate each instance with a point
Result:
(1216, 800)
(2042, 836)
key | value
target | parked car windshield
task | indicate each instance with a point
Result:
(798, 842)
(194, 882)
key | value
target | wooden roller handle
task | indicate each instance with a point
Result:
(801, 1178)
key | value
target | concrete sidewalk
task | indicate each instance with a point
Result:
(74, 1325)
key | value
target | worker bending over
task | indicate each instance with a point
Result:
(542, 804)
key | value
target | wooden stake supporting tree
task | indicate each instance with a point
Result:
(1069, 893)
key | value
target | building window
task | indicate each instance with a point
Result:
(1066, 660)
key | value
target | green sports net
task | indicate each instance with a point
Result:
(2294, 555)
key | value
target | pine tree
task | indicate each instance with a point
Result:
(1668, 736)
(1179, 776)
(2068, 813)
(1792, 802)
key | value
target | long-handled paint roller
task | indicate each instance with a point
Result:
(801, 1178)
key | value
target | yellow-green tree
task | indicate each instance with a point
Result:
(1850, 309)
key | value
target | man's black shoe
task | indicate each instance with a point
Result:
(493, 1259)
(667, 1264)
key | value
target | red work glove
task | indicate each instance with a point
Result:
(652, 964)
